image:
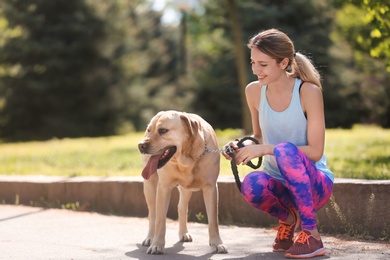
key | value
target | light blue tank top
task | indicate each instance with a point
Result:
(289, 125)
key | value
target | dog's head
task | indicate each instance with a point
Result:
(170, 133)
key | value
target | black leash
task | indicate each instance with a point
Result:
(233, 164)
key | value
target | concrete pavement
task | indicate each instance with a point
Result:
(37, 233)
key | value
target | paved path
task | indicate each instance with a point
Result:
(36, 233)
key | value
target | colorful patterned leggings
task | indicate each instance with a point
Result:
(306, 190)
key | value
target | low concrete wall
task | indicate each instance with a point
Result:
(357, 207)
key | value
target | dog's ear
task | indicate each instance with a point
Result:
(195, 130)
(192, 125)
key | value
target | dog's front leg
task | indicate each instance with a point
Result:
(210, 196)
(150, 192)
(184, 198)
(162, 204)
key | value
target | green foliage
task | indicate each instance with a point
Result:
(72, 206)
(149, 53)
(374, 35)
(356, 87)
(217, 93)
(361, 153)
(365, 83)
(93, 68)
(55, 81)
(217, 96)
(201, 217)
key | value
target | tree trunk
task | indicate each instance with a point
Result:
(241, 65)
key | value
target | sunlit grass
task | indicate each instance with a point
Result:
(362, 152)
(105, 156)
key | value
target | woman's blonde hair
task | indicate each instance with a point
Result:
(278, 45)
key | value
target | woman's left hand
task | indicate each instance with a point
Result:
(247, 153)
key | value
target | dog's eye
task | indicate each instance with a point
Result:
(162, 131)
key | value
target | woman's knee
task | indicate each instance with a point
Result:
(285, 149)
(287, 159)
(253, 186)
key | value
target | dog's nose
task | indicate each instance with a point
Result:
(142, 147)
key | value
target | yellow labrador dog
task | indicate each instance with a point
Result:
(177, 147)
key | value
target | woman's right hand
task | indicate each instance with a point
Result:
(231, 147)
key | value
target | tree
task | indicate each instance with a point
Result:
(374, 36)
(218, 96)
(217, 91)
(156, 82)
(148, 52)
(365, 81)
(55, 80)
(241, 64)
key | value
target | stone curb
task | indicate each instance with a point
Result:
(357, 207)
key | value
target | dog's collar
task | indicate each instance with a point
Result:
(206, 150)
(202, 154)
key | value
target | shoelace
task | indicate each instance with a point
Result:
(301, 238)
(284, 231)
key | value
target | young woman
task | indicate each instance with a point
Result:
(286, 107)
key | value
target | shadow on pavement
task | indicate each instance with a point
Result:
(22, 215)
(169, 253)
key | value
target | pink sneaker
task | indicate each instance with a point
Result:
(305, 246)
(284, 238)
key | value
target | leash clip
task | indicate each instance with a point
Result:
(229, 150)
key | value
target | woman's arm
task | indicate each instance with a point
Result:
(244, 155)
(252, 93)
(313, 107)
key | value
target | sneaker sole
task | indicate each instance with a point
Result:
(279, 250)
(318, 252)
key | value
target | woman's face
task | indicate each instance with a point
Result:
(266, 69)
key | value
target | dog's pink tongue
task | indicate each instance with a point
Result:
(150, 167)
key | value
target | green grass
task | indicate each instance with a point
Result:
(362, 152)
(359, 153)
(105, 156)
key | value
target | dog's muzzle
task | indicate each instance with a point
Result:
(142, 147)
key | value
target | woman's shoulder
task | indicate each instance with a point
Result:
(253, 86)
(308, 88)
(252, 93)
(310, 95)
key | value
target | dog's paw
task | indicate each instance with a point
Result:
(186, 237)
(155, 250)
(147, 241)
(221, 249)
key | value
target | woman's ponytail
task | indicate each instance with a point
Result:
(303, 68)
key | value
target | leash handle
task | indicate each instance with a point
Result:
(233, 164)
(240, 144)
